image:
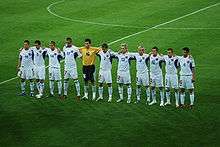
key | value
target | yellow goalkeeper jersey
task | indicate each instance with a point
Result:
(89, 55)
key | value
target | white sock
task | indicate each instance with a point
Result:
(120, 91)
(148, 93)
(129, 91)
(153, 93)
(77, 85)
(32, 87)
(93, 91)
(138, 93)
(59, 84)
(110, 91)
(65, 87)
(86, 91)
(23, 87)
(168, 96)
(38, 86)
(177, 98)
(182, 98)
(192, 98)
(41, 88)
(101, 92)
(161, 96)
(52, 87)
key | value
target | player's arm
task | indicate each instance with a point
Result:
(193, 69)
(19, 62)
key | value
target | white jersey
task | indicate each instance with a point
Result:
(54, 58)
(155, 65)
(186, 65)
(171, 64)
(141, 63)
(70, 54)
(39, 55)
(124, 62)
(26, 58)
(106, 60)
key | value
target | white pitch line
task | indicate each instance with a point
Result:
(146, 30)
(187, 28)
(88, 22)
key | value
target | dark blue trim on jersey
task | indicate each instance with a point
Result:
(76, 55)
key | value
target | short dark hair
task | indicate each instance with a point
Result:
(27, 41)
(155, 48)
(37, 42)
(170, 49)
(186, 49)
(53, 42)
(69, 39)
(88, 40)
(104, 45)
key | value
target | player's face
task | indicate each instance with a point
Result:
(154, 52)
(37, 46)
(69, 42)
(26, 45)
(141, 51)
(87, 44)
(124, 49)
(169, 53)
(52, 46)
(185, 53)
(105, 49)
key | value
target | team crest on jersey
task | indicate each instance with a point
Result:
(29, 54)
(171, 59)
(156, 58)
(126, 57)
(107, 56)
(55, 54)
(87, 53)
(71, 51)
(143, 58)
(188, 62)
(40, 51)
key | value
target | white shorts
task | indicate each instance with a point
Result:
(142, 79)
(186, 82)
(123, 78)
(156, 80)
(39, 72)
(105, 76)
(171, 81)
(26, 73)
(54, 74)
(70, 73)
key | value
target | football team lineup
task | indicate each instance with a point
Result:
(31, 66)
(109, 73)
(147, 29)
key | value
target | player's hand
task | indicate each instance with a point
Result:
(193, 80)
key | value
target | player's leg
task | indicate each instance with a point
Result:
(190, 87)
(161, 96)
(77, 85)
(86, 82)
(31, 87)
(145, 81)
(23, 83)
(30, 76)
(109, 92)
(153, 91)
(159, 84)
(59, 82)
(138, 88)
(182, 84)
(120, 91)
(176, 93)
(100, 91)
(92, 79)
(167, 88)
(38, 85)
(41, 77)
(129, 91)
(66, 78)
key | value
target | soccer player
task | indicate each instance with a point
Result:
(105, 75)
(25, 68)
(70, 53)
(187, 76)
(88, 60)
(142, 75)
(171, 78)
(156, 76)
(39, 67)
(55, 55)
(123, 72)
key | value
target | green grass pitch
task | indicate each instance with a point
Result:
(26, 121)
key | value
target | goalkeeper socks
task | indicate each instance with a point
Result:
(86, 91)
(182, 98)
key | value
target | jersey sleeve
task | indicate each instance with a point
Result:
(193, 62)
(79, 55)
